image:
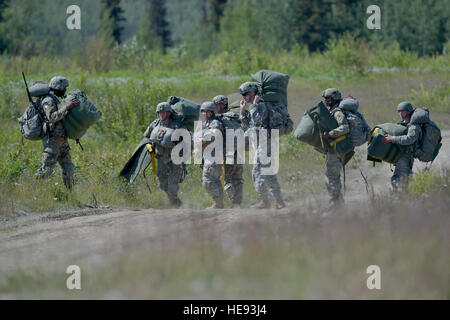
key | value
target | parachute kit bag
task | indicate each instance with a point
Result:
(388, 152)
(80, 118)
(313, 123)
(272, 87)
(359, 129)
(186, 111)
(431, 141)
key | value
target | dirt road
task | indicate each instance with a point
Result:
(56, 240)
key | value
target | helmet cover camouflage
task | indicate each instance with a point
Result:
(208, 105)
(164, 106)
(220, 99)
(247, 87)
(59, 83)
(405, 106)
(332, 93)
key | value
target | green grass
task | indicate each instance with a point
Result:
(133, 82)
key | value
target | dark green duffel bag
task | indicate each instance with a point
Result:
(272, 85)
(314, 122)
(187, 111)
(80, 118)
(388, 152)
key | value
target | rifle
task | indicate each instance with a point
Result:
(28, 91)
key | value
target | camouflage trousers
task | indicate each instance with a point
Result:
(333, 170)
(264, 183)
(169, 175)
(233, 182)
(212, 172)
(56, 149)
(403, 168)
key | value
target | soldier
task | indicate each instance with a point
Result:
(233, 172)
(403, 167)
(159, 132)
(55, 143)
(334, 160)
(257, 118)
(212, 171)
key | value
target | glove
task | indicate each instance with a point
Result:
(72, 104)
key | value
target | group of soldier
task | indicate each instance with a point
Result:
(216, 116)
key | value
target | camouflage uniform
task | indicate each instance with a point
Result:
(258, 118)
(233, 172)
(403, 167)
(170, 175)
(56, 145)
(212, 171)
(334, 159)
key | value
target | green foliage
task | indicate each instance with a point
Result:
(428, 182)
(436, 99)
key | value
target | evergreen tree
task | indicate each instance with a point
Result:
(311, 24)
(157, 26)
(3, 6)
(111, 17)
(217, 8)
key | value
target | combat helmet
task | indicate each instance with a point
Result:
(405, 106)
(164, 106)
(220, 99)
(59, 83)
(332, 93)
(208, 105)
(247, 87)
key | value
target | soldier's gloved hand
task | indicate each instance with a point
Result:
(72, 104)
(242, 104)
(387, 139)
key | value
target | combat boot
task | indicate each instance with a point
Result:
(336, 203)
(279, 203)
(263, 204)
(175, 202)
(218, 204)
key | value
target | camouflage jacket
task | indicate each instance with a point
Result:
(50, 106)
(257, 117)
(411, 137)
(162, 145)
(343, 127)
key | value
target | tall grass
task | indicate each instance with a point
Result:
(135, 80)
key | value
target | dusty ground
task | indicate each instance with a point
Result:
(92, 235)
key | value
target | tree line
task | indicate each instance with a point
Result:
(207, 27)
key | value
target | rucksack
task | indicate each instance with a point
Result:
(359, 129)
(186, 111)
(272, 87)
(33, 124)
(431, 141)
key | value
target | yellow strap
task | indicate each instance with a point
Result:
(373, 135)
(339, 139)
(223, 175)
(152, 153)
